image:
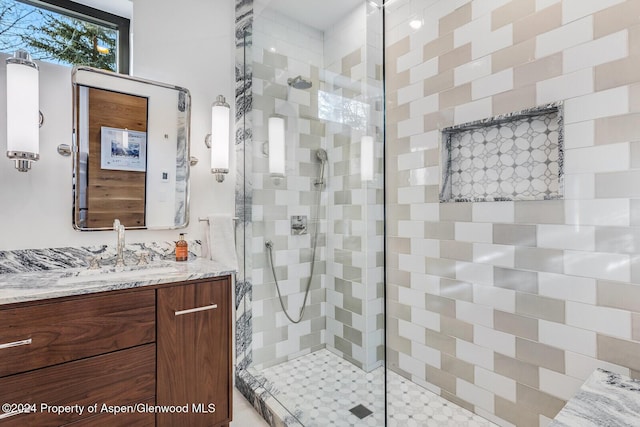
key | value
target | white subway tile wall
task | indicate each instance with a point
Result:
(507, 307)
(283, 48)
(575, 9)
(345, 307)
(566, 86)
(581, 134)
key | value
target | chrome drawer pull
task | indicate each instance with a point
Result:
(15, 344)
(10, 414)
(194, 310)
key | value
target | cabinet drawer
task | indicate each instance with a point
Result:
(44, 335)
(120, 378)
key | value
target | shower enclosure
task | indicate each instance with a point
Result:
(310, 294)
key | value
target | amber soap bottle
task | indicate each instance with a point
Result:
(182, 249)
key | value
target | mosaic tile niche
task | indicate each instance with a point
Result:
(518, 156)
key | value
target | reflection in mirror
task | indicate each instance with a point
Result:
(131, 148)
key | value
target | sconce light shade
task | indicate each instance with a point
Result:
(23, 114)
(366, 158)
(220, 124)
(276, 146)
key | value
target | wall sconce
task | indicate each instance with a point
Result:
(23, 115)
(218, 139)
(366, 158)
(276, 148)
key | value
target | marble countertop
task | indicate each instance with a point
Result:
(39, 285)
(605, 399)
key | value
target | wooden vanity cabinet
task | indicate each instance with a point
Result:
(194, 353)
(77, 351)
(146, 346)
(55, 332)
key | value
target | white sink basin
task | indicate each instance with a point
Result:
(110, 274)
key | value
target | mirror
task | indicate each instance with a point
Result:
(131, 152)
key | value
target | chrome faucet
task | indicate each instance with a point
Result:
(119, 228)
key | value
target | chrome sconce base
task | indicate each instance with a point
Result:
(219, 173)
(23, 159)
(23, 165)
(277, 178)
(22, 57)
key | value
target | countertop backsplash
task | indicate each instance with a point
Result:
(32, 260)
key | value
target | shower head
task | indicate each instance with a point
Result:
(299, 83)
(321, 153)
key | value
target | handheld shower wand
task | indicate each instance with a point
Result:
(321, 154)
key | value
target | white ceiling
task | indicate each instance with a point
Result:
(320, 14)
(122, 8)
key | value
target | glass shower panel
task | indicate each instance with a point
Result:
(314, 245)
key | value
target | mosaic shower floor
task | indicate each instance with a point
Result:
(320, 388)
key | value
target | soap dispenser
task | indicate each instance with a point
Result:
(182, 249)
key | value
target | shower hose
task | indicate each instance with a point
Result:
(269, 245)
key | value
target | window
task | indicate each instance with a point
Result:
(64, 32)
(336, 108)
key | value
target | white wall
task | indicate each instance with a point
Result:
(190, 46)
(507, 307)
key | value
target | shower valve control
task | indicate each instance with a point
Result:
(298, 225)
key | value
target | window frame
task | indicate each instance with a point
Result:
(96, 16)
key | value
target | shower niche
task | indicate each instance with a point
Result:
(517, 156)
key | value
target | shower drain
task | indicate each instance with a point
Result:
(360, 411)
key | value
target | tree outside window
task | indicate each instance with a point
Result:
(55, 37)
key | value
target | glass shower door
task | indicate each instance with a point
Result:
(312, 328)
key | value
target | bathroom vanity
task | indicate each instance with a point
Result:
(108, 349)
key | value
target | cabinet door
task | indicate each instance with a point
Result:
(194, 353)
